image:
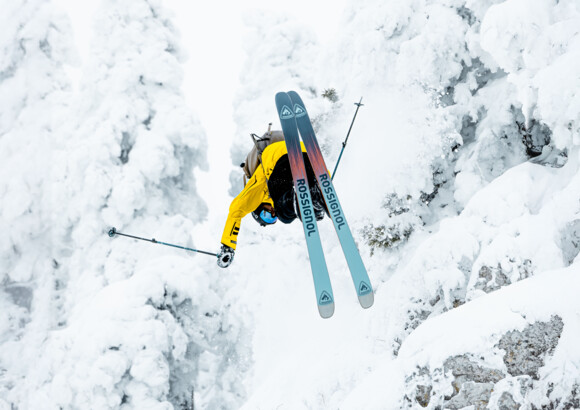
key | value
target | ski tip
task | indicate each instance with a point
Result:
(281, 95)
(326, 311)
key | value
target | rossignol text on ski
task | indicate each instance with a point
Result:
(322, 285)
(295, 123)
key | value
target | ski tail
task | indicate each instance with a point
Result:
(358, 271)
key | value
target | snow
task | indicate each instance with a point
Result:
(474, 327)
(460, 182)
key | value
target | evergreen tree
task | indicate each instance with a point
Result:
(34, 93)
(131, 326)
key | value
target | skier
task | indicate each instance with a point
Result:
(269, 196)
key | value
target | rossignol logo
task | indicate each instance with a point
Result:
(332, 201)
(299, 111)
(306, 207)
(286, 113)
(364, 288)
(325, 298)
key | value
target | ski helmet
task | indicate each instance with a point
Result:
(263, 216)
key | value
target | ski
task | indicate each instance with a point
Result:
(357, 269)
(322, 285)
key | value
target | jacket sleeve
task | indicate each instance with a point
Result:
(254, 193)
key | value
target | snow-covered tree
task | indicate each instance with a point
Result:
(130, 326)
(490, 71)
(460, 182)
(34, 93)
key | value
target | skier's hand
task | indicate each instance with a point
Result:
(225, 256)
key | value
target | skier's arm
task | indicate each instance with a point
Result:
(254, 193)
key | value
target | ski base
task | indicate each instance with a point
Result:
(322, 285)
(357, 269)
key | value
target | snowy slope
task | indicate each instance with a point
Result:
(428, 362)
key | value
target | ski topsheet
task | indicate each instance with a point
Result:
(357, 269)
(322, 285)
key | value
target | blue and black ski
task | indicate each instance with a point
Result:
(357, 269)
(322, 285)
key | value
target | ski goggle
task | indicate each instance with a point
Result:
(267, 217)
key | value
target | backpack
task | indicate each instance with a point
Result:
(254, 158)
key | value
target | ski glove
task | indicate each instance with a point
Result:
(225, 256)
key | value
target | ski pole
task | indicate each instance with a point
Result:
(358, 105)
(113, 232)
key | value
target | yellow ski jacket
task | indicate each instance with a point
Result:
(254, 193)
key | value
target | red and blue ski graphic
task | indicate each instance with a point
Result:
(322, 285)
(357, 269)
